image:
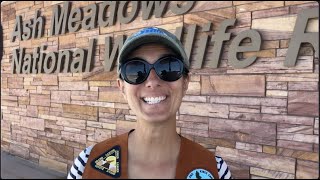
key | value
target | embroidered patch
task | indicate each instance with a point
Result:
(200, 174)
(108, 162)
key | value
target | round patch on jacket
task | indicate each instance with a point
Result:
(200, 174)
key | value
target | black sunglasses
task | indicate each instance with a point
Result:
(168, 68)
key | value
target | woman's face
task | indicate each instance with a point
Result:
(171, 93)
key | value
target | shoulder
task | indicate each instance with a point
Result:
(79, 164)
(223, 169)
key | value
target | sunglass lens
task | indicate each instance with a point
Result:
(169, 69)
(136, 72)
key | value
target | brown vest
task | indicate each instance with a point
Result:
(194, 160)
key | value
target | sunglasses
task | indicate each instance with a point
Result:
(136, 71)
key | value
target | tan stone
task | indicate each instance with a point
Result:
(204, 109)
(40, 100)
(77, 109)
(60, 96)
(303, 103)
(32, 111)
(267, 53)
(303, 86)
(269, 149)
(273, 110)
(208, 5)
(308, 77)
(67, 41)
(277, 85)
(19, 150)
(275, 65)
(245, 131)
(259, 160)
(307, 170)
(243, 108)
(69, 122)
(194, 88)
(270, 12)
(233, 85)
(64, 151)
(276, 93)
(49, 79)
(306, 138)
(294, 145)
(111, 94)
(270, 174)
(99, 83)
(194, 98)
(71, 136)
(259, 6)
(249, 147)
(32, 123)
(79, 85)
(53, 164)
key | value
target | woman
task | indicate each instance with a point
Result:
(153, 78)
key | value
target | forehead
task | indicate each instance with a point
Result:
(151, 51)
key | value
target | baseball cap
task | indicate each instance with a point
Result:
(152, 35)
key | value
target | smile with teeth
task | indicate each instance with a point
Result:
(154, 100)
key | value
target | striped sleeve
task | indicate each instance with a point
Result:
(79, 164)
(223, 169)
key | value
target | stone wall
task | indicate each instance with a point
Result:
(262, 119)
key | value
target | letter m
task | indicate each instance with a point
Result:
(59, 20)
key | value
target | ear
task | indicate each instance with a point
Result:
(121, 87)
(185, 84)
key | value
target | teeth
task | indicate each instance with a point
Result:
(154, 100)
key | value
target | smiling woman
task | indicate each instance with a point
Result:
(153, 78)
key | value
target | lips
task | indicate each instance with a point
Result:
(154, 100)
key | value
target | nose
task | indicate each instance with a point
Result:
(153, 79)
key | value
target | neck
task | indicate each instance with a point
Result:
(154, 142)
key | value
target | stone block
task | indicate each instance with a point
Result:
(69, 122)
(32, 123)
(204, 109)
(303, 86)
(270, 12)
(77, 109)
(244, 108)
(209, 142)
(67, 41)
(249, 147)
(233, 85)
(259, 6)
(294, 128)
(238, 170)
(39, 100)
(275, 65)
(294, 145)
(307, 170)
(270, 174)
(194, 88)
(79, 85)
(32, 111)
(277, 85)
(63, 151)
(111, 94)
(208, 5)
(267, 53)
(287, 119)
(303, 103)
(19, 150)
(195, 132)
(198, 119)
(53, 164)
(273, 110)
(259, 160)
(60, 96)
(71, 136)
(191, 98)
(276, 93)
(49, 80)
(245, 131)
(269, 149)
(308, 77)
(306, 138)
